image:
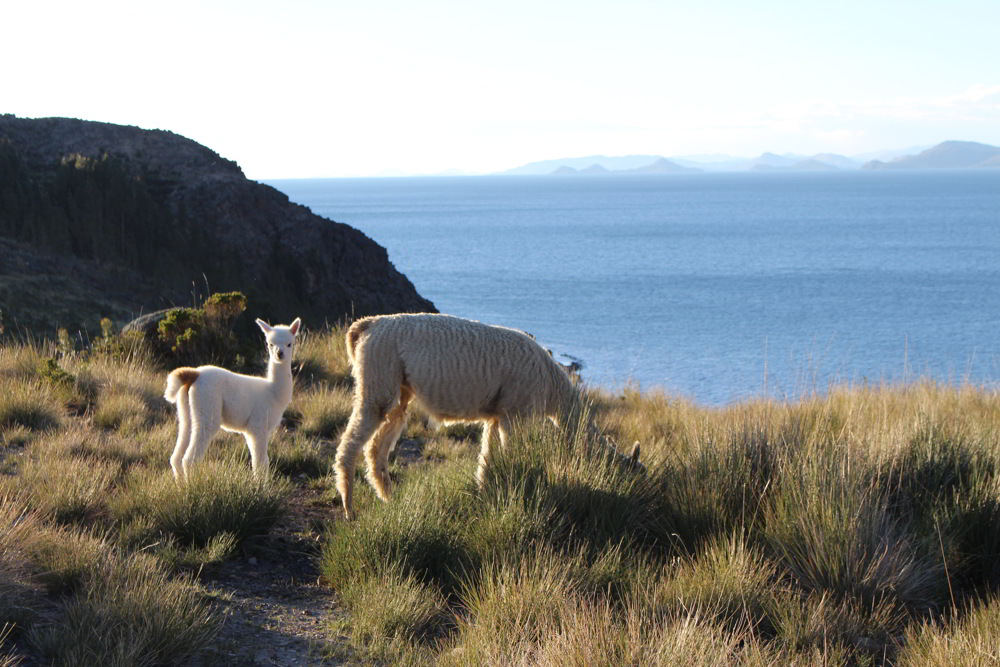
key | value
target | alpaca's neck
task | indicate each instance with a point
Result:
(280, 375)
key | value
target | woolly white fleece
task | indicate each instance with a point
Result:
(458, 369)
(209, 397)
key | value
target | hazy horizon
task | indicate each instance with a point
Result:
(315, 88)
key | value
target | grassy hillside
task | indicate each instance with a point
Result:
(861, 527)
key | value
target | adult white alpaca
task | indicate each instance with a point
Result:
(459, 370)
(209, 397)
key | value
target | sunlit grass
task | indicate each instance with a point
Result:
(217, 499)
(861, 526)
(30, 404)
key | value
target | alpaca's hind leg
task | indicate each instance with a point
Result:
(377, 449)
(489, 427)
(183, 432)
(206, 418)
(360, 428)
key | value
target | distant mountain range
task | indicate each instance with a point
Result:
(946, 155)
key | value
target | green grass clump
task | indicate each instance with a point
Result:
(31, 405)
(730, 583)
(970, 641)
(395, 607)
(426, 545)
(322, 359)
(118, 410)
(298, 454)
(131, 613)
(858, 527)
(217, 499)
(20, 362)
(767, 533)
(18, 531)
(836, 537)
(66, 559)
(65, 490)
(321, 413)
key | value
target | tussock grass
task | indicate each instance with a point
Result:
(18, 531)
(861, 526)
(425, 545)
(117, 410)
(730, 583)
(30, 404)
(20, 362)
(322, 359)
(321, 413)
(766, 533)
(87, 445)
(298, 454)
(64, 560)
(66, 491)
(132, 614)
(217, 499)
(836, 535)
(396, 607)
(93, 529)
(968, 642)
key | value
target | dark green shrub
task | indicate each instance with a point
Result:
(51, 371)
(207, 335)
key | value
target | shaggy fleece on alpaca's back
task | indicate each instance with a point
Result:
(459, 370)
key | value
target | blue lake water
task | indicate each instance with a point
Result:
(715, 286)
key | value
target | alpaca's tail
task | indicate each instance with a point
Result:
(178, 378)
(354, 335)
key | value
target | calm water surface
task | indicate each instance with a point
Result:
(716, 286)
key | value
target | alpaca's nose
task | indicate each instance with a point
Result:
(281, 355)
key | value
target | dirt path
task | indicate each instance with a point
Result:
(273, 608)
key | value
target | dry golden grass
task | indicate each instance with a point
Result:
(840, 529)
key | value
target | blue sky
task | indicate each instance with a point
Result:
(304, 88)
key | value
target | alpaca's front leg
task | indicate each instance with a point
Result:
(489, 426)
(501, 427)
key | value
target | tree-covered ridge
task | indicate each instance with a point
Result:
(90, 208)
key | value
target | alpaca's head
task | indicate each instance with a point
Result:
(280, 340)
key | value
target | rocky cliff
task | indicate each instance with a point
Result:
(174, 214)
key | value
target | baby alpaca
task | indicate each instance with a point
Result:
(459, 370)
(208, 397)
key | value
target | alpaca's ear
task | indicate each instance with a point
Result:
(294, 326)
(264, 326)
